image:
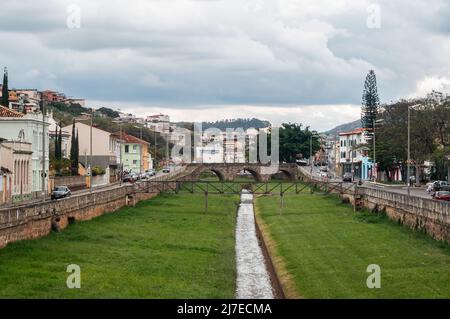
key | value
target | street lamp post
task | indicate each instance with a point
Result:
(43, 174)
(310, 155)
(374, 169)
(409, 152)
(311, 152)
(141, 156)
(154, 132)
(90, 115)
(408, 177)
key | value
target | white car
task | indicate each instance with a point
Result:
(166, 169)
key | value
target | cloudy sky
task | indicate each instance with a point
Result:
(281, 60)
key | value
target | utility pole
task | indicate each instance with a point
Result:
(374, 169)
(351, 156)
(154, 132)
(409, 151)
(310, 154)
(43, 174)
(120, 154)
(90, 154)
(141, 157)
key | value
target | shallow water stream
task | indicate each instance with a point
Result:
(253, 279)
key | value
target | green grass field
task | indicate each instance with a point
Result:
(166, 247)
(325, 247)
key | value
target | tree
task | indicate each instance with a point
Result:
(392, 136)
(370, 107)
(5, 91)
(295, 142)
(60, 141)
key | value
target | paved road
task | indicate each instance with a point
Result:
(159, 175)
(400, 189)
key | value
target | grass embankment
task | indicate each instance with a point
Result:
(325, 248)
(166, 247)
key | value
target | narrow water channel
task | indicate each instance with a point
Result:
(253, 281)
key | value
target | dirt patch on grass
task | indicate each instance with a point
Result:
(285, 278)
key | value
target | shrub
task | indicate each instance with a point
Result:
(97, 170)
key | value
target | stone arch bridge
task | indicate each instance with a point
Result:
(228, 171)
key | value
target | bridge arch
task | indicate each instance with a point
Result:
(287, 174)
(207, 169)
(255, 174)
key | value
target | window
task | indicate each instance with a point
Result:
(134, 147)
(134, 162)
(127, 148)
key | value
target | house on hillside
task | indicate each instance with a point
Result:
(105, 148)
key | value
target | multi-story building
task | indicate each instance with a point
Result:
(105, 147)
(234, 147)
(72, 100)
(31, 128)
(159, 123)
(134, 154)
(16, 157)
(6, 167)
(52, 96)
(212, 153)
(353, 153)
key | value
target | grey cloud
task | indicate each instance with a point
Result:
(181, 53)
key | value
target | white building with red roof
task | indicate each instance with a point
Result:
(353, 154)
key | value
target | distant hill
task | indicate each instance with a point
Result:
(344, 128)
(231, 123)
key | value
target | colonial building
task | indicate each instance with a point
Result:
(29, 128)
(159, 123)
(353, 154)
(134, 154)
(16, 158)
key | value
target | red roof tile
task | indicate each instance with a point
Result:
(132, 139)
(6, 112)
(355, 131)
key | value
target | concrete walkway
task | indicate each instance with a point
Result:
(253, 281)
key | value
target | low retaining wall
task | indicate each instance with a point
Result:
(73, 182)
(418, 213)
(37, 220)
(423, 214)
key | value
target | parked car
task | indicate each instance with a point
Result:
(134, 176)
(166, 169)
(128, 179)
(429, 187)
(441, 186)
(301, 162)
(151, 172)
(324, 169)
(60, 192)
(442, 195)
(347, 177)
